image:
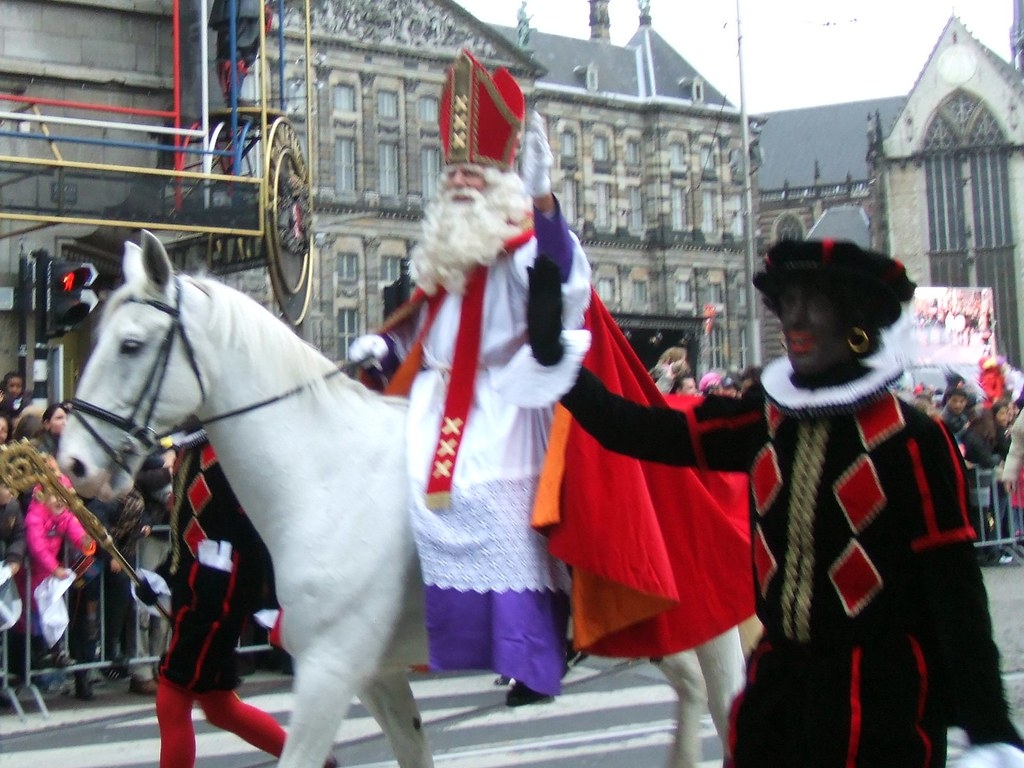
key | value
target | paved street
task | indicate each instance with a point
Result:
(612, 714)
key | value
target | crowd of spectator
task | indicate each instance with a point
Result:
(109, 640)
(979, 412)
(42, 541)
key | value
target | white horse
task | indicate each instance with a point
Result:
(318, 463)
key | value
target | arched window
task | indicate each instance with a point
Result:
(789, 227)
(970, 232)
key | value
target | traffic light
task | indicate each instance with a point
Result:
(69, 299)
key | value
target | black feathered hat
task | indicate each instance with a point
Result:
(883, 279)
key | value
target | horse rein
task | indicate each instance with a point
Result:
(143, 436)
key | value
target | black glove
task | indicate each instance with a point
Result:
(145, 593)
(544, 311)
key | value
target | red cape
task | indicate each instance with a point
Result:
(659, 565)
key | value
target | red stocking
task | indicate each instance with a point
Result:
(177, 736)
(225, 710)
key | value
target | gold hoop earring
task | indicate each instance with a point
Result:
(858, 340)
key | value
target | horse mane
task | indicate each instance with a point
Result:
(245, 321)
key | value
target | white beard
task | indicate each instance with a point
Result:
(459, 234)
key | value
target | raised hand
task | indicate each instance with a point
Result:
(537, 157)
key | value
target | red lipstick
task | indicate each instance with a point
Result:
(799, 342)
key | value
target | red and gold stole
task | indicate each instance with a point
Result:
(462, 379)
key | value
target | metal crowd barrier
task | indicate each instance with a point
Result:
(25, 681)
(998, 522)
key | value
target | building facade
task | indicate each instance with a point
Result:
(935, 177)
(646, 167)
(951, 178)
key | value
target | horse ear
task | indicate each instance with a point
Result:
(131, 263)
(155, 260)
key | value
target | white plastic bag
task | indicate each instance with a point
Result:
(10, 600)
(53, 613)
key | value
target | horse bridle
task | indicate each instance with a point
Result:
(139, 435)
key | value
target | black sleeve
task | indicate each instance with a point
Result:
(622, 426)
(952, 584)
(719, 434)
(16, 543)
(977, 450)
(150, 481)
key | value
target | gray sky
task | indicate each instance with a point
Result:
(796, 53)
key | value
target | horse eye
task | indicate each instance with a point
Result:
(130, 346)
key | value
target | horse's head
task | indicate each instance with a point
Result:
(142, 378)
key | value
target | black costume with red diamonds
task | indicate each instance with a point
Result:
(210, 606)
(877, 632)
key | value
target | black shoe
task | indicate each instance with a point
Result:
(116, 671)
(83, 687)
(521, 694)
(502, 680)
(61, 659)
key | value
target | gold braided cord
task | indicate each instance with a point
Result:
(22, 468)
(798, 576)
(177, 503)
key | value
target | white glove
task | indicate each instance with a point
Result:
(991, 756)
(537, 157)
(215, 554)
(368, 350)
(159, 591)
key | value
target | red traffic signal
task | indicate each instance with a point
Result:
(78, 278)
(69, 300)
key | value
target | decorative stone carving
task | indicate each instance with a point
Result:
(406, 23)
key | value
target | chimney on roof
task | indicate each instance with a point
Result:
(645, 12)
(600, 28)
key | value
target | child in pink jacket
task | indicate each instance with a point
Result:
(48, 526)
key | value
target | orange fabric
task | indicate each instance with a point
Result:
(547, 506)
(401, 382)
(658, 565)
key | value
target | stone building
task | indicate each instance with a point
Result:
(648, 158)
(815, 159)
(951, 176)
(934, 177)
(814, 178)
(647, 166)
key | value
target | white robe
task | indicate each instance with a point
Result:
(483, 541)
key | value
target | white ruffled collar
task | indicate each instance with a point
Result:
(882, 371)
(897, 349)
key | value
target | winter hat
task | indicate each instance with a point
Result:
(709, 381)
(882, 278)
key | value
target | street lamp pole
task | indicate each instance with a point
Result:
(749, 226)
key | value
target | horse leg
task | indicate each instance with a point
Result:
(388, 697)
(722, 663)
(683, 673)
(322, 698)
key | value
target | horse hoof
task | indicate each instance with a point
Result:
(520, 695)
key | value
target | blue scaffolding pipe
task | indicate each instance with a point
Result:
(122, 144)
